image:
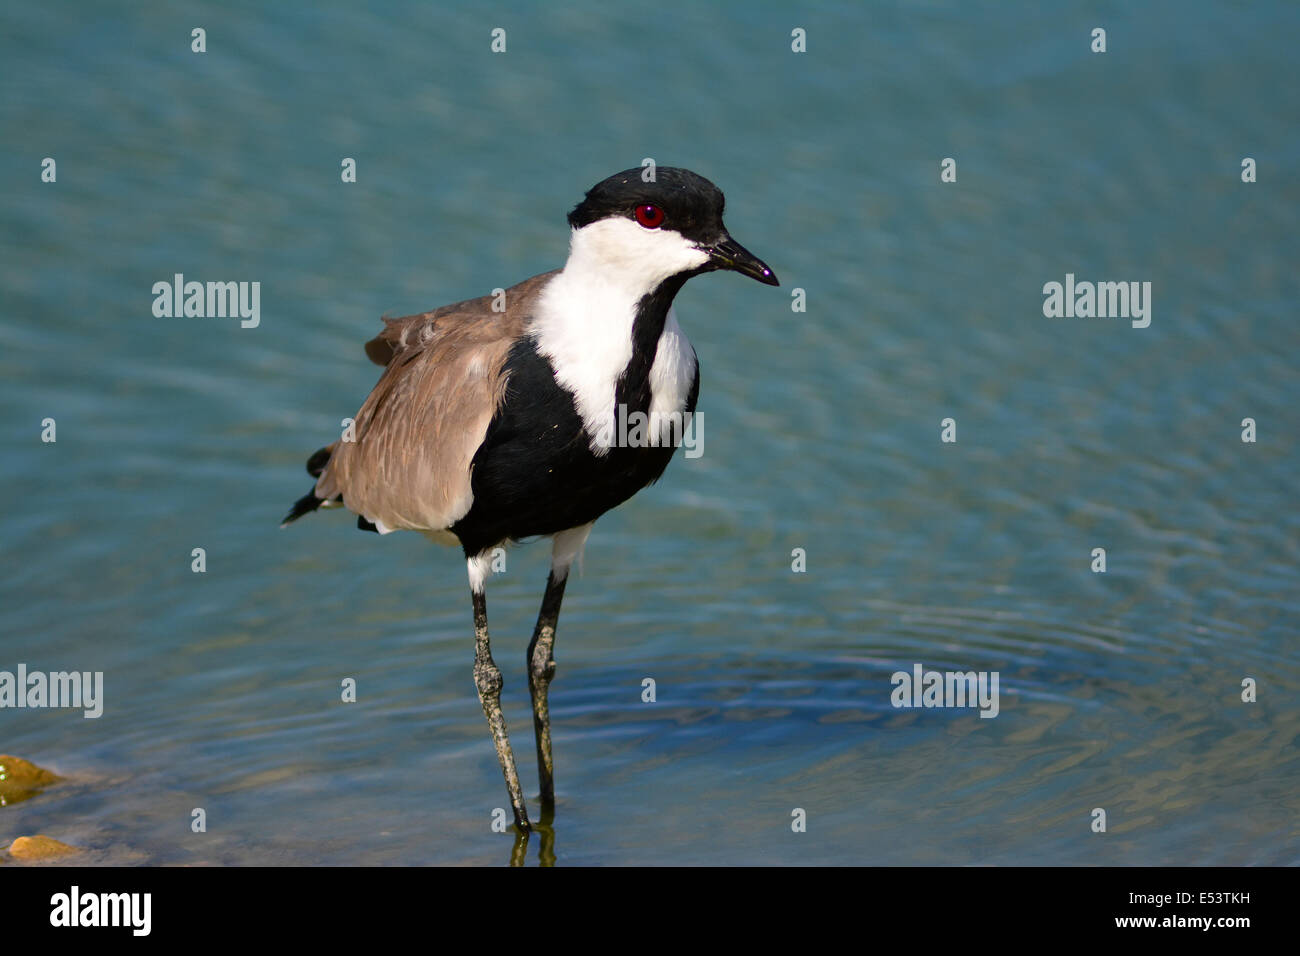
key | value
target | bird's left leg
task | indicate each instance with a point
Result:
(487, 678)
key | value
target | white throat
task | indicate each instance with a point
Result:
(584, 316)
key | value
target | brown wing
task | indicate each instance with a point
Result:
(417, 432)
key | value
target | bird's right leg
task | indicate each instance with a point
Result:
(487, 677)
(541, 657)
(541, 669)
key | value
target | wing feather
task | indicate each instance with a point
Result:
(417, 432)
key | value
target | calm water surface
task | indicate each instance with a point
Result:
(1118, 690)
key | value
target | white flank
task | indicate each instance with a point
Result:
(478, 568)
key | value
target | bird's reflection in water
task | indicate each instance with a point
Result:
(546, 835)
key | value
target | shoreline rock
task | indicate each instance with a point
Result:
(40, 847)
(20, 779)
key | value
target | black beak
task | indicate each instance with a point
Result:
(727, 253)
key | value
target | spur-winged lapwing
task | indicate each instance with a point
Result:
(496, 420)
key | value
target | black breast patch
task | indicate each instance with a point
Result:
(535, 473)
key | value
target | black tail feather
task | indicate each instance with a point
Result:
(309, 502)
(304, 505)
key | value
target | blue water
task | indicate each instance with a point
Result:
(1120, 691)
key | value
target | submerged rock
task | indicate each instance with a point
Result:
(20, 778)
(40, 847)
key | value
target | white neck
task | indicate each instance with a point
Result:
(584, 316)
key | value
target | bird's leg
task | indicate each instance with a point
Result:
(541, 668)
(487, 677)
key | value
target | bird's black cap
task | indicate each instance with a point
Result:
(692, 206)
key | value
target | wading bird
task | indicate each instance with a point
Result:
(493, 420)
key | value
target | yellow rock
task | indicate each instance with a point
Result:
(39, 847)
(20, 778)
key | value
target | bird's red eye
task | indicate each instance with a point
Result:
(652, 217)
